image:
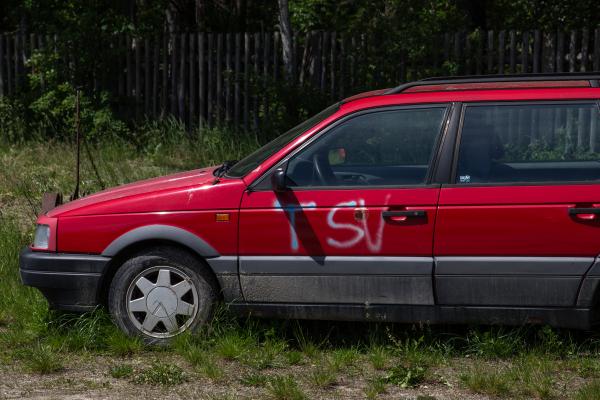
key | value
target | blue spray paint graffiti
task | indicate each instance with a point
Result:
(291, 211)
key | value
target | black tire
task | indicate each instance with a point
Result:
(178, 261)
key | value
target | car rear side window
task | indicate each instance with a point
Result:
(387, 147)
(529, 143)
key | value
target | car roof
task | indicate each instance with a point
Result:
(482, 88)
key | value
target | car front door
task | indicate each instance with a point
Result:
(519, 225)
(355, 222)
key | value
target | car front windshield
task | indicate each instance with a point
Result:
(248, 163)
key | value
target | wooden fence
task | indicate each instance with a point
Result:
(209, 79)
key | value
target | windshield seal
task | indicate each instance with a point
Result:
(254, 159)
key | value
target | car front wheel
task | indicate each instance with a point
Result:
(160, 293)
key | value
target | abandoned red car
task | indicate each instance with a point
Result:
(447, 200)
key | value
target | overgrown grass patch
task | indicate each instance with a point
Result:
(42, 359)
(285, 388)
(161, 374)
(121, 371)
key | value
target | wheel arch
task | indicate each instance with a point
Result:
(136, 240)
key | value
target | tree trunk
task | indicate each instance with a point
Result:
(286, 38)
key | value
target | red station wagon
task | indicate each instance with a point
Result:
(448, 200)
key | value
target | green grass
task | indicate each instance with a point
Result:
(590, 391)
(121, 371)
(42, 359)
(285, 388)
(275, 358)
(161, 374)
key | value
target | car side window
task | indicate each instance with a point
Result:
(391, 147)
(529, 143)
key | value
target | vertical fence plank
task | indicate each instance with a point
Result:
(537, 50)
(246, 78)
(560, 48)
(121, 65)
(597, 50)
(210, 80)
(548, 52)
(457, 53)
(265, 79)
(181, 87)
(276, 40)
(147, 75)
(228, 75)
(479, 63)
(138, 73)
(501, 51)
(255, 73)
(164, 98)
(1, 65)
(352, 62)
(572, 50)
(155, 67)
(513, 52)
(192, 80)
(219, 92)
(585, 38)
(173, 71)
(342, 74)
(525, 53)
(129, 67)
(201, 80)
(490, 52)
(332, 69)
(237, 77)
(17, 63)
(325, 52)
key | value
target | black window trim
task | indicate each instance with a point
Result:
(262, 183)
(452, 179)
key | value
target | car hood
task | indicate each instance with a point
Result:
(166, 193)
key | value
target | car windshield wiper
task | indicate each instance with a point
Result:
(222, 170)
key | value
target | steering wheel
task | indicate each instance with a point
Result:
(323, 169)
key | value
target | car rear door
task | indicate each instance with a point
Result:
(355, 225)
(519, 225)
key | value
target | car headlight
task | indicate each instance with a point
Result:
(41, 239)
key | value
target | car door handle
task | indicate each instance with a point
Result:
(587, 213)
(403, 215)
